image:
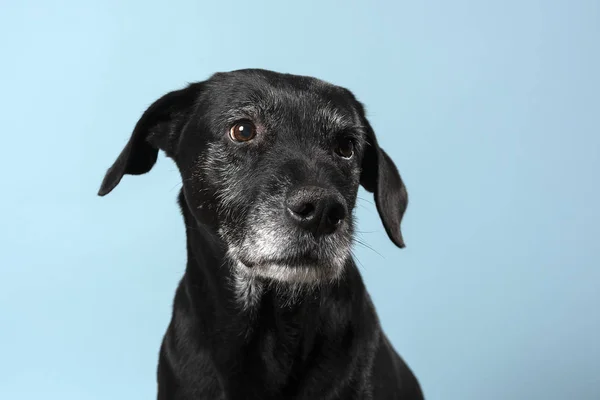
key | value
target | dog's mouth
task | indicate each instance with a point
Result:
(279, 252)
(306, 268)
(304, 261)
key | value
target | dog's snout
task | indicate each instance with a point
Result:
(315, 209)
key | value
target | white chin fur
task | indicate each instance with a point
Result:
(289, 281)
(302, 274)
(269, 240)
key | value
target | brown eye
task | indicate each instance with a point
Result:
(345, 148)
(242, 131)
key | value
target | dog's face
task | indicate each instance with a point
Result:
(272, 163)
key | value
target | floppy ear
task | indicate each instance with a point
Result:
(158, 128)
(380, 176)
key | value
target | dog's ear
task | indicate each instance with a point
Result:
(158, 129)
(380, 176)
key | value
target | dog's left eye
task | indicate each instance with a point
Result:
(345, 148)
(242, 131)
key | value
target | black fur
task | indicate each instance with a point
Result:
(268, 309)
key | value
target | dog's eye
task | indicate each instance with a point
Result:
(242, 131)
(345, 148)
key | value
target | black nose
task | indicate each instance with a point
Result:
(315, 209)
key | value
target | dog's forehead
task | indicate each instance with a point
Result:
(278, 95)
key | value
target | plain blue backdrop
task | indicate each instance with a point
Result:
(490, 109)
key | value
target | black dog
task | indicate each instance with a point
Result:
(272, 305)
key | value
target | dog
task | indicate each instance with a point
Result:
(271, 305)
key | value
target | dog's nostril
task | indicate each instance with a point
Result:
(336, 215)
(303, 210)
(306, 210)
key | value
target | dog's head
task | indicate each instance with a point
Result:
(272, 163)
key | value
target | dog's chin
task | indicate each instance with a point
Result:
(279, 256)
(303, 271)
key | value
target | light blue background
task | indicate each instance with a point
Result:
(490, 110)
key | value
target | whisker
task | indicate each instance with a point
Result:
(177, 184)
(366, 200)
(364, 244)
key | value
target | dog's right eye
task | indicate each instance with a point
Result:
(345, 149)
(242, 131)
